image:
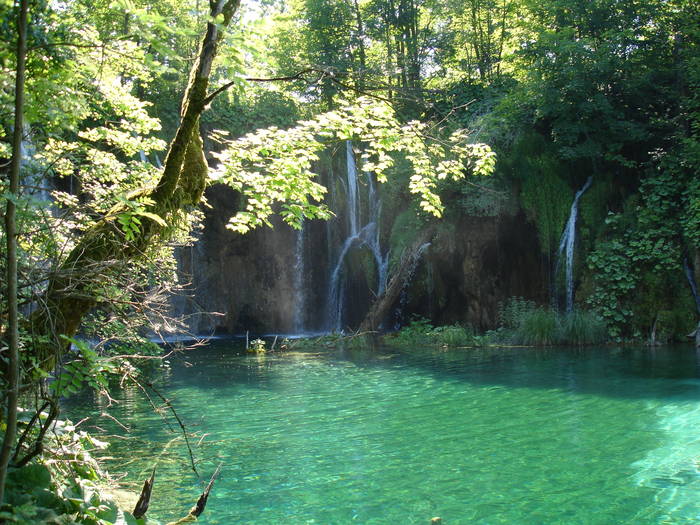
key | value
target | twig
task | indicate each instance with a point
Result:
(145, 497)
(105, 414)
(197, 510)
(179, 422)
(300, 75)
(39, 441)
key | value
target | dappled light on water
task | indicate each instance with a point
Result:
(472, 436)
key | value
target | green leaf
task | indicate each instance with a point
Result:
(154, 217)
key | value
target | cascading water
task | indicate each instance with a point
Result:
(352, 191)
(366, 236)
(36, 185)
(299, 282)
(689, 274)
(566, 247)
(382, 260)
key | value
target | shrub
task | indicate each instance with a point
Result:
(418, 332)
(539, 327)
(582, 328)
(512, 312)
(454, 335)
(521, 322)
(61, 489)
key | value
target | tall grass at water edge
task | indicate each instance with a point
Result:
(522, 322)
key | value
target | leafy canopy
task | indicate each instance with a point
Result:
(275, 166)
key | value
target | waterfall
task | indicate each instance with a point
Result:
(365, 236)
(352, 194)
(691, 282)
(33, 179)
(299, 282)
(566, 247)
(382, 260)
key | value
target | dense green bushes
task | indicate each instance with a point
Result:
(524, 323)
(635, 278)
(61, 488)
(521, 322)
(420, 332)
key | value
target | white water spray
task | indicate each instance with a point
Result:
(367, 235)
(352, 195)
(299, 282)
(566, 246)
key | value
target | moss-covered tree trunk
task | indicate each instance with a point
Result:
(400, 277)
(71, 292)
(12, 370)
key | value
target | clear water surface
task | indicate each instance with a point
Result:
(594, 436)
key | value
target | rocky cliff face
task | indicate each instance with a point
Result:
(269, 282)
(239, 283)
(473, 267)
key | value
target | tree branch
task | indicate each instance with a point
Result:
(300, 75)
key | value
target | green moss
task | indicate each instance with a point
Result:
(407, 225)
(547, 199)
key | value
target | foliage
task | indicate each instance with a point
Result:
(87, 368)
(637, 266)
(512, 312)
(65, 485)
(491, 197)
(253, 109)
(537, 328)
(582, 327)
(547, 198)
(420, 332)
(274, 166)
(579, 68)
(616, 280)
(403, 232)
(522, 322)
(454, 335)
(563, 89)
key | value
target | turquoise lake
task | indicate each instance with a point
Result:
(504, 435)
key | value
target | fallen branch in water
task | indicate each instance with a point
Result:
(197, 510)
(145, 497)
(145, 500)
(168, 404)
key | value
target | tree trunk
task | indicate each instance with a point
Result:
(361, 46)
(12, 377)
(407, 265)
(71, 291)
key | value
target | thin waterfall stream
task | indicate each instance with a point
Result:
(365, 236)
(566, 247)
(299, 282)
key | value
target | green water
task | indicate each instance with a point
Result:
(566, 436)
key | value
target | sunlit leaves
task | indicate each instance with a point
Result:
(275, 166)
